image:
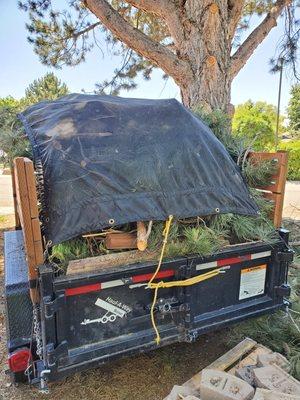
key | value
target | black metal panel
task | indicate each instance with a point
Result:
(89, 332)
(17, 299)
(88, 324)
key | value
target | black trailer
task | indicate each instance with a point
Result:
(86, 320)
(103, 161)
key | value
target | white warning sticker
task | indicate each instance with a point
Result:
(114, 309)
(252, 281)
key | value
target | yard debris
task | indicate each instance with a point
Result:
(219, 385)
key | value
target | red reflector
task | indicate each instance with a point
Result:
(18, 360)
(147, 277)
(83, 289)
(234, 260)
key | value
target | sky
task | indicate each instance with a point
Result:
(19, 66)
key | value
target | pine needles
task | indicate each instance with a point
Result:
(70, 250)
(194, 238)
(204, 240)
(259, 174)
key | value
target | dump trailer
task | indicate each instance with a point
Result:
(82, 321)
(101, 163)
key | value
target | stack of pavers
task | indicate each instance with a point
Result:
(269, 379)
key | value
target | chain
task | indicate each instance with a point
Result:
(37, 331)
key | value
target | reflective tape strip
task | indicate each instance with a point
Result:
(233, 260)
(260, 255)
(146, 277)
(137, 279)
(212, 264)
(110, 284)
(83, 289)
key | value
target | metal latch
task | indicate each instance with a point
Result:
(283, 290)
(52, 306)
(54, 353)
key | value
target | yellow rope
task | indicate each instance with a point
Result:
(162, 284)
(165, 240)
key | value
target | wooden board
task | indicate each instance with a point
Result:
(244, 353)
(17, 219)
(276, 190)
(124, 258)
(27, 210)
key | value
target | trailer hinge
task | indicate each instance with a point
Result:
(55, 353)
(283, 290)
(52, 306)
(285, 256)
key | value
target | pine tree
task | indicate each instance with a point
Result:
(49, 87)
(196, 42)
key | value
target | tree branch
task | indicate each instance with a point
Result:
(135, 39)
(235, 8)
(151, 6)
(86, 30)
(244, 52)
(167, 11)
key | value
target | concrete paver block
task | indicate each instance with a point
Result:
(180, 392)
(274, 378)
(273, 359)
(263, 394)
(219, 385)
(246, 374)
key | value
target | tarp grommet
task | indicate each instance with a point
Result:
(111, 221)
(217, 210)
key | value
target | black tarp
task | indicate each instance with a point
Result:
(109, 160)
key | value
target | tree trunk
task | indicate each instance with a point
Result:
(199, 56)
(209, 90)
(208, 50)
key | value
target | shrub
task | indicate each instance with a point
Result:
(293, 147)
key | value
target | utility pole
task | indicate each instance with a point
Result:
(280, 62)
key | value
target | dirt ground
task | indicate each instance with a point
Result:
(144, 377)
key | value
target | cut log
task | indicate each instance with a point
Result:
(120, 241)
(142, 238)
(92, 264)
